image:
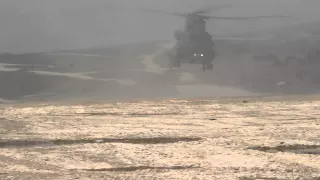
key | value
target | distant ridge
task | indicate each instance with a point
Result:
(110, 48)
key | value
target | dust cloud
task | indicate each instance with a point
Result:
(108, 50)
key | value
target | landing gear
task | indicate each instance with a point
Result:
(174, 60)
(210, 67)
(207, 60)
(175, 63)
(206, 67)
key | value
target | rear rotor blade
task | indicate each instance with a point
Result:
(163, 12)
(242, 18)
(200, 13)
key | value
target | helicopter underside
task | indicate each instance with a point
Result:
(195, 59)
(193, 56)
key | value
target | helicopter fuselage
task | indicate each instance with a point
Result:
(194, 47)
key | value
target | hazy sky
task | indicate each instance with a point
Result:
(43, 25)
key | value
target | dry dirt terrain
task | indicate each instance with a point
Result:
(229, 138)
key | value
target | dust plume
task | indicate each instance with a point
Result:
(107, 50)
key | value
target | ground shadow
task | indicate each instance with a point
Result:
(257, 178)
(127, 114)
(297, 149)
(139, 168)
(58, 142)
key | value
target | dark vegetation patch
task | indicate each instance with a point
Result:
(27, 59)
(16, 85)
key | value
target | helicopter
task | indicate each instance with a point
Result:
(194, 45)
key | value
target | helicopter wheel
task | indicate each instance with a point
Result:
(204, 68)
(171, 63)
(175, 62)
(178, 64)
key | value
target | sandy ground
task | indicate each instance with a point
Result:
(171, 139)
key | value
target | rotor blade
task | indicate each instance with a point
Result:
(242, 18)
(211, 8)
(201, 11)
(239, 39)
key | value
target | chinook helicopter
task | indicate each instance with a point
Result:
(194, 45)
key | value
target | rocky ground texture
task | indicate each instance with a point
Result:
(227, 138)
